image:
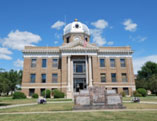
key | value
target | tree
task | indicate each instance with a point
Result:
(147, 77)
(9, 80)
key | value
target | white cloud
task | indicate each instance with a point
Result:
(97, 36)
(55, 42)
(129, 25)
(17, 40)
(18, 63)
(139, 62)
(58, 25)
(5, 54)
(110, 43)
(100, 24)
(137, 39)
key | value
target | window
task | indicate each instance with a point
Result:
(32, 78)
(102, 62)
(112, 63)
(33, 63)
(43, 78)
(31, 92)
(68, 38)
(124, 77)
(54, 78)
(116, 90)
(44, 61)
(103, 77)
(79, 67)
(41, 91)
(113, 77)
(126, 91)
(55, 63)
(122, 63)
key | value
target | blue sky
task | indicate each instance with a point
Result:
(112, 22)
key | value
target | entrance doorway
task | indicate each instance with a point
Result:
(79, 84)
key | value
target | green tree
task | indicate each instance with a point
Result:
(9, 80)
(147, 77)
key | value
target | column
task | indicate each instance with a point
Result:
(69, 73)
(86, 72)
(90, 71)
(71, 68)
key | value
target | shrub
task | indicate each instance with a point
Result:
(19, 95)
(58, 94)
(48, 93)
(35, 95)
(136, 94)
(123, 94)
(142, 91)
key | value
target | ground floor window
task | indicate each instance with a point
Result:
(41, 91)
(116, 89)
(31, 92)
(126, 91)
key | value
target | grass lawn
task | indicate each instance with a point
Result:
(67, 107)
(85, 116)
(9, 101)
(148, 98)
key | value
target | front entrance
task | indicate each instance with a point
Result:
(79, 84)
(79, 74)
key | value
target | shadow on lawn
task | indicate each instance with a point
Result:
(4, 104)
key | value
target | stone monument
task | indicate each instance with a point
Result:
(97, 97)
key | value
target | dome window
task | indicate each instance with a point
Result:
(76, 26)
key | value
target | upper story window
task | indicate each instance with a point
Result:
(112, 63)
(124, 77)
(79, 67)
(103, 77)
(102, 62)
(122, 63)
(113, 77)
(54, 78)
(43, 78)
(32, 78)
(55, 63)
(44, 63)
(33, 63)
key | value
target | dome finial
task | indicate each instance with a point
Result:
(76, 19)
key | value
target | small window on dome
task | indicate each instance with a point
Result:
(76, 25)
(67, 39)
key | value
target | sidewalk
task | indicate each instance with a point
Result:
(29, 104)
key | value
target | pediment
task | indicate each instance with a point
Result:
(80, 44)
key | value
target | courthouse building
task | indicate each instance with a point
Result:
(76, 65)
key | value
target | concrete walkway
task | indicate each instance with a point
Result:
(76, 111)
(29, 104)
(142, 102)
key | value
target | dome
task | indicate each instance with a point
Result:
(76, 27)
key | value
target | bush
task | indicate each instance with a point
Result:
(142, 91)
(35, 95)
(123, 94)
(48, 93)
(19, 95)
(58, 94)
(136, 94)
